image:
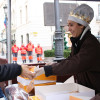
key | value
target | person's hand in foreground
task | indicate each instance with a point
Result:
(26, 72)
(38, 71)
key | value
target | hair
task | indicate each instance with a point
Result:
(81, 25)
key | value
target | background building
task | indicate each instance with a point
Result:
(27, 22)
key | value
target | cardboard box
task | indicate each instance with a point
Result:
(28, 85)
(62, 91)
(79, 98)
(33, 98)
(41, 80)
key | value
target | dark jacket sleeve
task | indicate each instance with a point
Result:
(87, 59)
(9, 71)
(48, 70)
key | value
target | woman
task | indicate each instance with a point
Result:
(84, 60)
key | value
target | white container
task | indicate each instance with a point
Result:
(62, 91)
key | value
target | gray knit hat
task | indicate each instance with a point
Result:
(83, 14)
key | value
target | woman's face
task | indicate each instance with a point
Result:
(74, 28)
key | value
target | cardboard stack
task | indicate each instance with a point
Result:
(41, 80)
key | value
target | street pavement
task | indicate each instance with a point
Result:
(19, 60)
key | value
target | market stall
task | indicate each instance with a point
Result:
(46, 88)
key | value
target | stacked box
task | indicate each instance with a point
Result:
(41, 80)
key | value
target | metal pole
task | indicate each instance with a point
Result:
(9, 35)
(6, 25)
(9, 31)
(2, 49)
(6, 36)
(2, 44)
(58, 34)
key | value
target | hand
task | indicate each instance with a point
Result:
(49, 63)
(38, 71)
(26, 72)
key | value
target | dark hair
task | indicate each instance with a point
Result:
(81, 25)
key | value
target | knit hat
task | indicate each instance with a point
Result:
(83, 15)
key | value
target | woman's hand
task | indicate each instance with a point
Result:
(26, 72)
(49, 63)
(38, 71)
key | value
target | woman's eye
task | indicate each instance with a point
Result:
(71, 24)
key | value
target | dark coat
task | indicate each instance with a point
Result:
(9, 71)
(83, 63)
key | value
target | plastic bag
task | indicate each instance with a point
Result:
(13, 92)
